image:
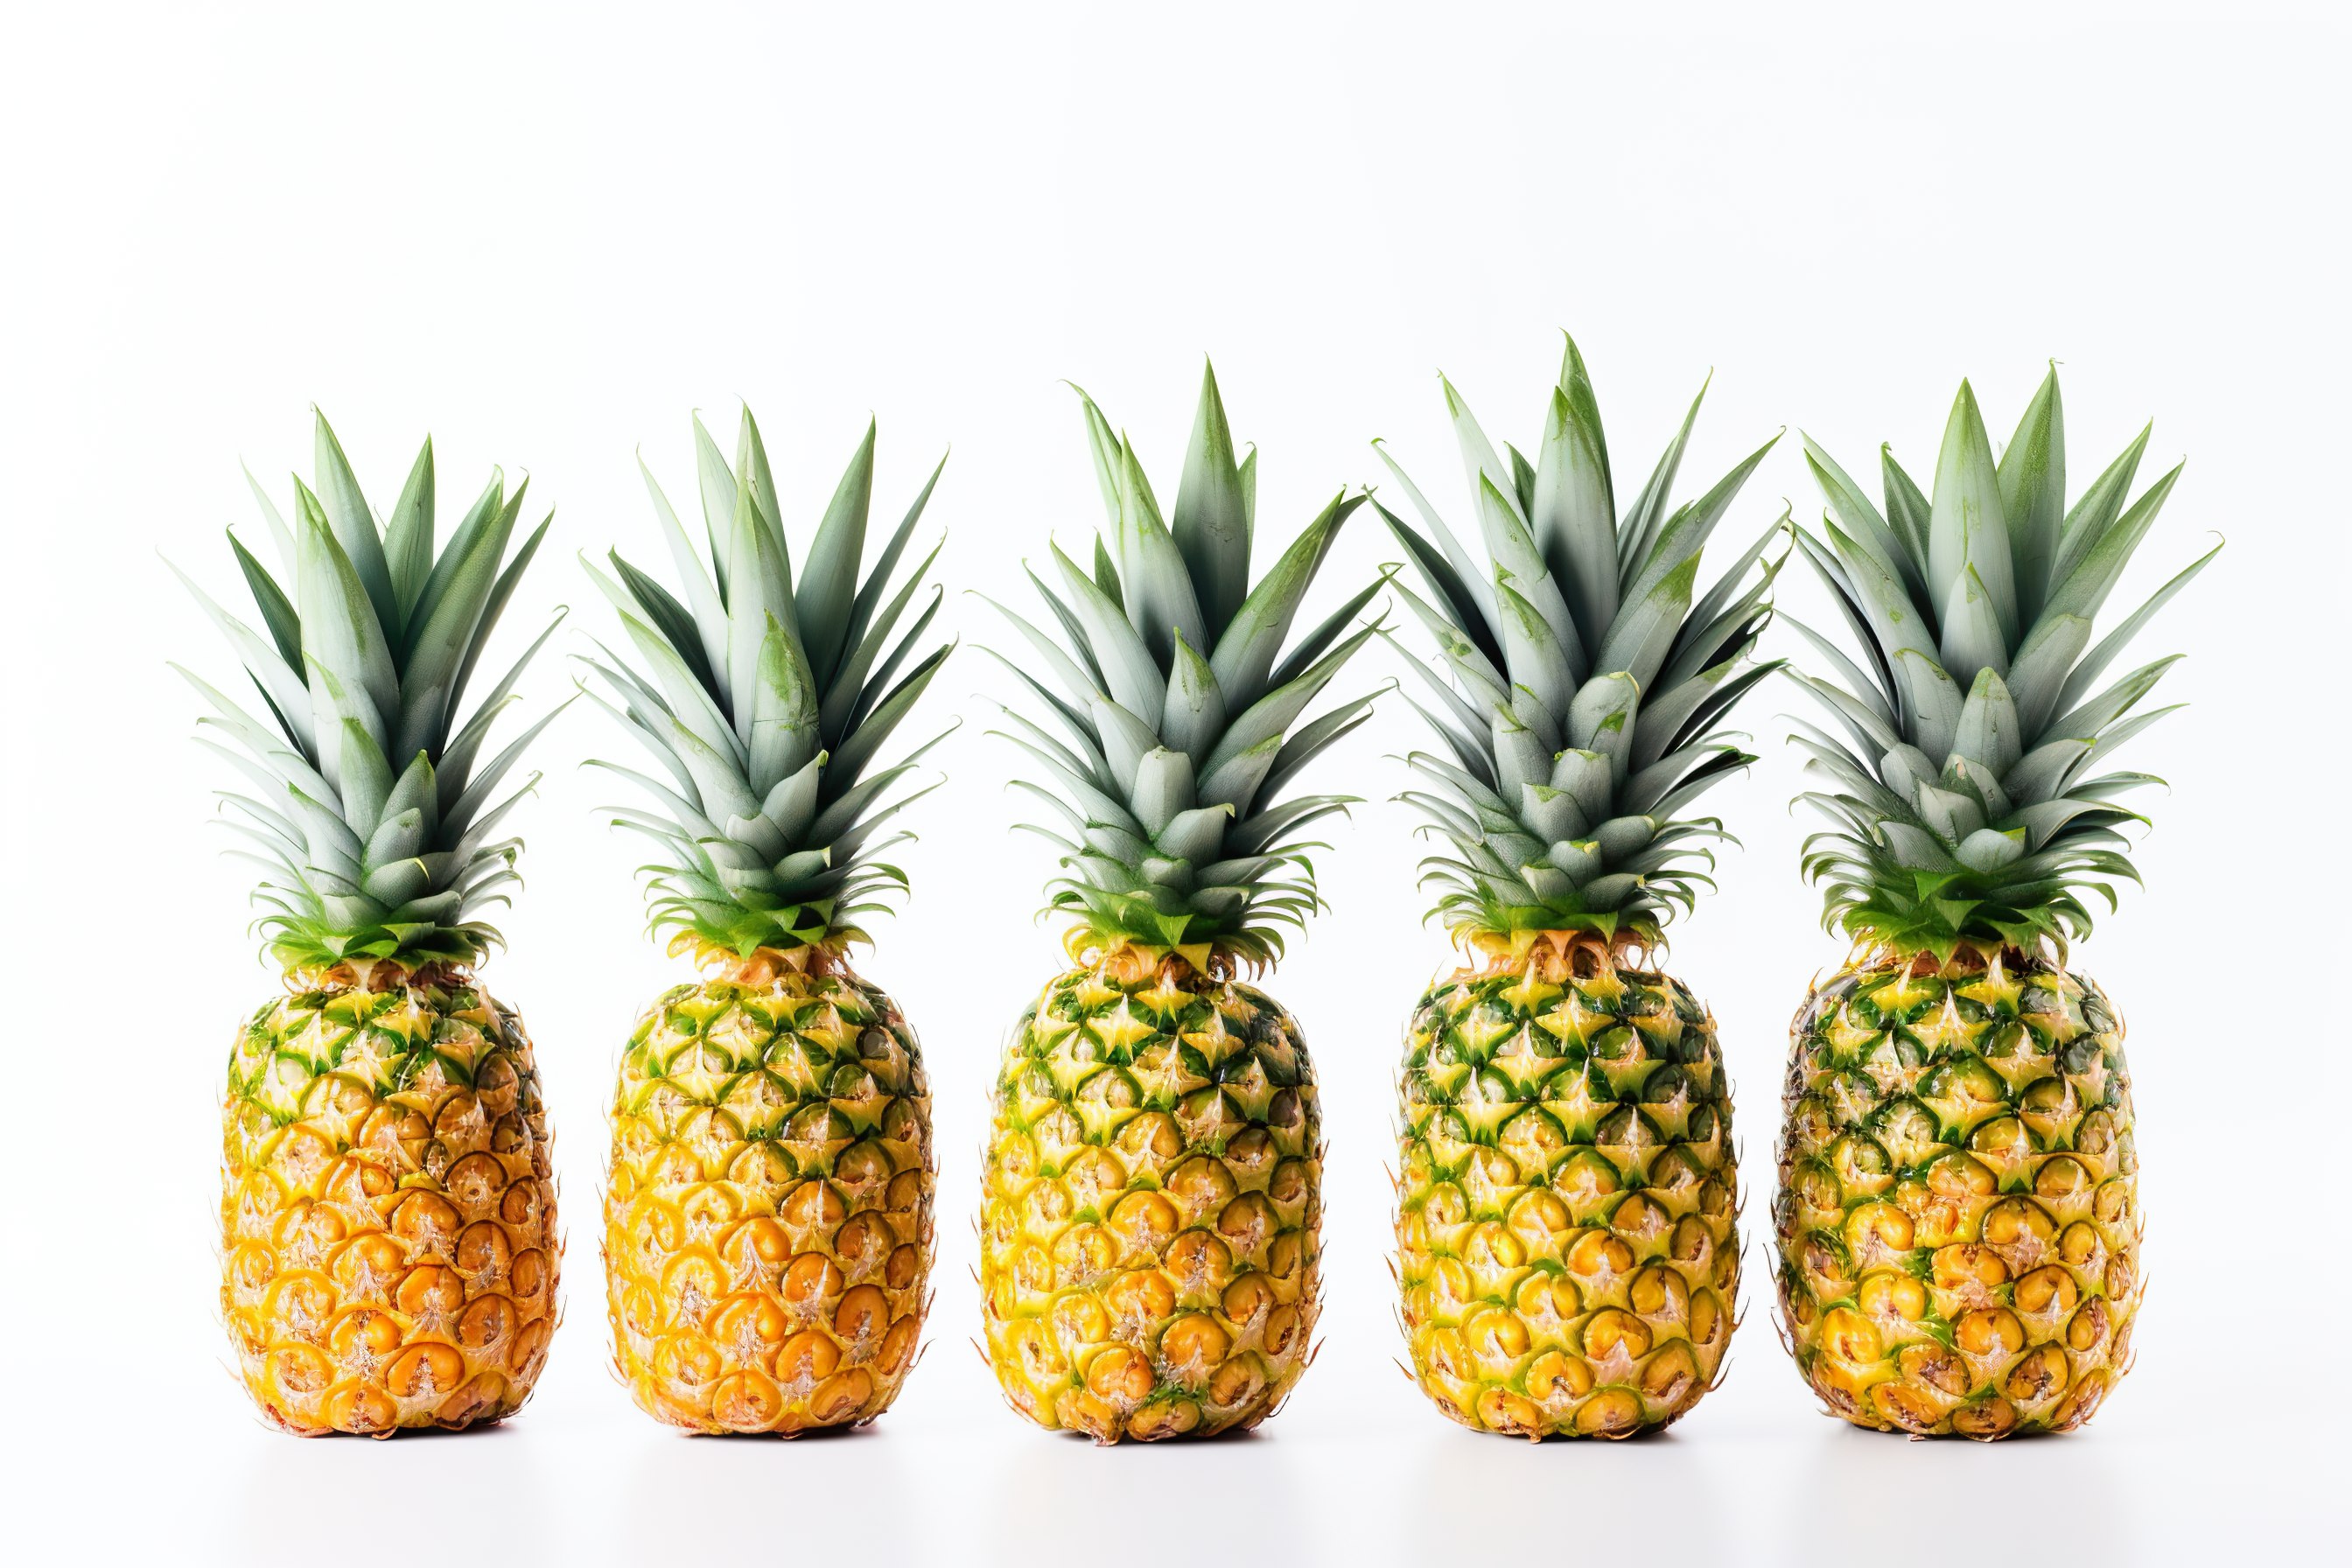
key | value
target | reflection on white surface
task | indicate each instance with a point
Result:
(673, 1493)
(1058, 1499)
(1362, 1476)
(286, 1500)
(546, 233)
(1842, 1485)
(1606, 1503)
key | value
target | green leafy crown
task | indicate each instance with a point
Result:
(1961, 791)
(1176, 701)
(370, 820)
(765, 704)
(1584, 677)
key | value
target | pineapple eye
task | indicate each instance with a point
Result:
(1488, 1088)
(1666, 1086)
(1532, 1134)
(1548, 1039)
(1617, 1044)
(904, 1124)
(1809, 1123)
(1115, 1089)
(2083, 1056)
(2047, 1098)
(850, 1082)
(1969, 1081)
(1643, 1004)
(1292, 1184)
(816, 1124)
(1851, 1096)
(1677, 1169)
(2010, 1040)
(1860, 1160)
(1585, 1175)
(1906, 1125)
(1695, 1044)
(1013, 1156)
(2003, 1138)
(2062, 1177)
(1626, 1128)
(1446, 1205)
(1536, 1217)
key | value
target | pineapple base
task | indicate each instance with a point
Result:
(1153, 1203)
(1958, 1217)
(389, 1253)
(1567, 1254)
(768, 1210)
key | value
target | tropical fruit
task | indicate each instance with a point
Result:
(768, 1209)
(1566, 1242)
(1152, 1197)
(388, 1237)
(1958, 1217)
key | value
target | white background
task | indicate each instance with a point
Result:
(544, 236)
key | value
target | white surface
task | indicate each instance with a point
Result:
(545, 237)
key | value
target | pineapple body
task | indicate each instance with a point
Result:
(768, 1220)
(1151, 1217)
(389, 1250)
(1958, 1220)
(1566, 1247)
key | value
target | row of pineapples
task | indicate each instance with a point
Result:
(1957, 1230)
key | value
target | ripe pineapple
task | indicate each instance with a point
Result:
(1566, 1244)
(1152, 1196)
(1958, 1218)
(768, 1207)
(388, 1236)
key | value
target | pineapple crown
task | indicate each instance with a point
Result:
(1961, 793)
(765, 704)
(1583, 679)
(372, 821)
(1177, 702)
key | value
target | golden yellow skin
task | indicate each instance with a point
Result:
(1958, 1215)
(1567, 1254)
(388, 1240)
(768, 1210)
(1153, 1203)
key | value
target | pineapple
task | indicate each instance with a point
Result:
(388, 1236)
(768, 1206)
(1957, 1220)
(1566, 1245)
(1152, 1202)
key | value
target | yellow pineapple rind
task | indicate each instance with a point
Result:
(1153, 1203)
(389, 1252)
(1958, 1218)
(1567, 1252)
(768, 1211)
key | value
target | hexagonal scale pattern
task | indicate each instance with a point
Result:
(768, 1222)
(1151, 1222)
(387, 1208)
(1566, 1243)
(1958, 1218)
